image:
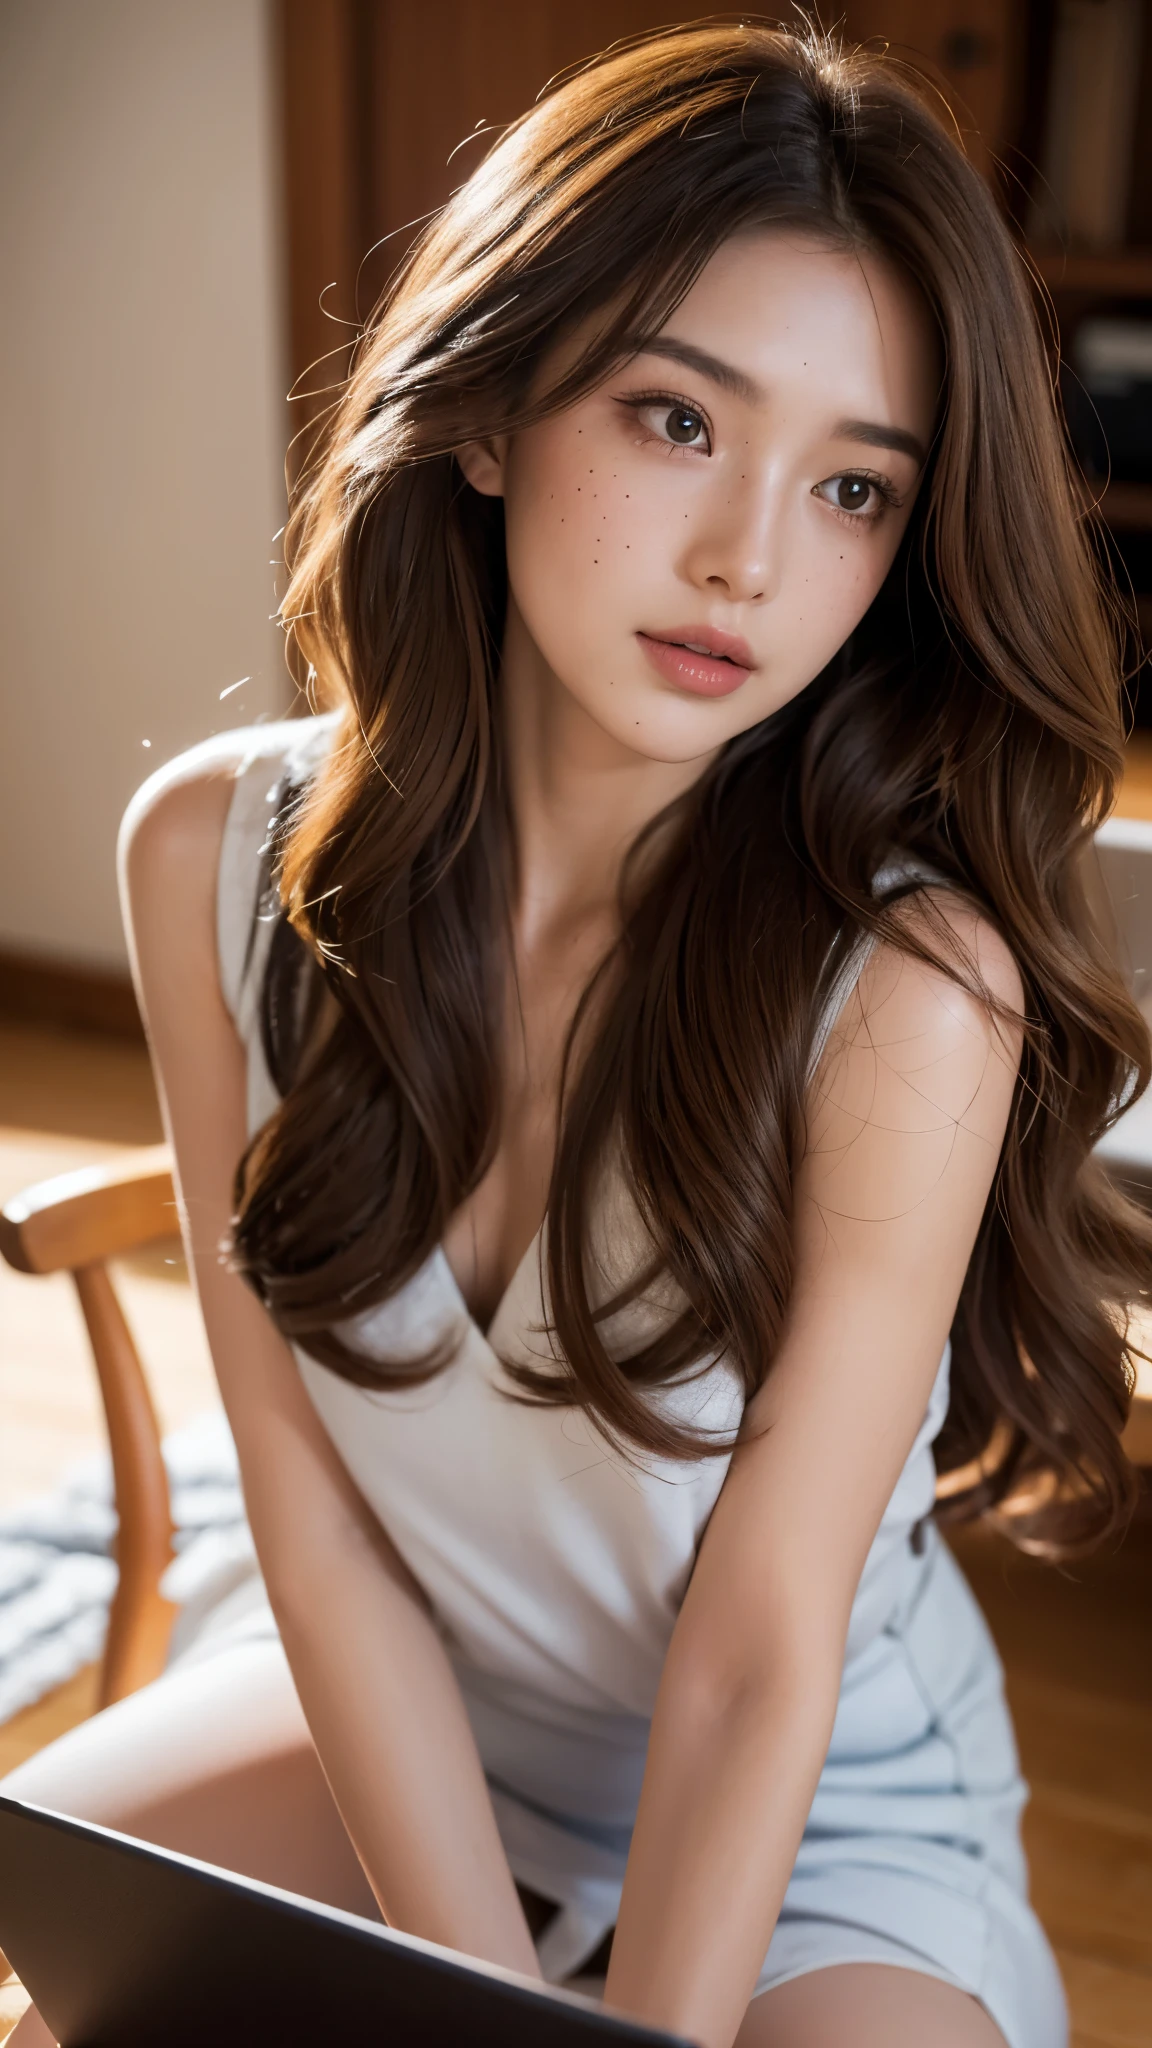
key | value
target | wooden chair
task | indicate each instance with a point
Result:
(74, 1223)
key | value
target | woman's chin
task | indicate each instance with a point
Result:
(671, 726)
(662, 732)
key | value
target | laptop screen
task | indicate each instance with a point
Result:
(122, 1945)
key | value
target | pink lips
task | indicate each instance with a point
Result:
(702, 659)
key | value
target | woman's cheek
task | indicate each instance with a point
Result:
(577, 545)
(549, 566)
(847, 576)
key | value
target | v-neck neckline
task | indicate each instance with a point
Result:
(531, 1250)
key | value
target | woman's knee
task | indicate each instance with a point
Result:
(215, 1761)
(196, 1724)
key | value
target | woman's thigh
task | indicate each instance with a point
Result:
(214, 1760)
(867, 2005)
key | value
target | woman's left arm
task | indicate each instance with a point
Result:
(907, 1118)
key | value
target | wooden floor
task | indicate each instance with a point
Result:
(1077, 1644)
(1077, 1649)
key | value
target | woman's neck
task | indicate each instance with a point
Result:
(578, 797)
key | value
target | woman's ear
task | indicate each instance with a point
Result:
(483, 464)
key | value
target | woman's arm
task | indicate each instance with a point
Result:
(376, 1687)
(909, 1114)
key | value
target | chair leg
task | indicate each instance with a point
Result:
(141, 1619)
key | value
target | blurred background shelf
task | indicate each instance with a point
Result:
(1116, 273)
(1127, 507)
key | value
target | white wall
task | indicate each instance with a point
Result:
(141, 425)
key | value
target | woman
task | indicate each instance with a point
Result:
(663, 1016)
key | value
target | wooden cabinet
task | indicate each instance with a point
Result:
(382, 96)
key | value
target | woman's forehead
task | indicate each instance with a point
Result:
(775, 300)
(778, 305)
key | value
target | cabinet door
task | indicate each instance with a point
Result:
(382, 97)
(446, 68)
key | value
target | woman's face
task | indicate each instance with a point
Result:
(690, 543)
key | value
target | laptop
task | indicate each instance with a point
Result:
(125, 1946)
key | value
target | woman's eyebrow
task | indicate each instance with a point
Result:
(725, 374)
(871, 432)
(874, 435)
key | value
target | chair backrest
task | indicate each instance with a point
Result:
(74, 1223)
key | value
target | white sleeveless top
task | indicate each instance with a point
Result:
(555, 1566)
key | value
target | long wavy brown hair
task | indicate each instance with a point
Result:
(973, 721)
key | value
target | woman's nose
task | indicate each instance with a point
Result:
(736, 543)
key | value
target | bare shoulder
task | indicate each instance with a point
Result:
(970, 987)
(971, 942)
(172, 831)
(927, 1043)
(169, 859)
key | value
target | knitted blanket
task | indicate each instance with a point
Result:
(58, 1575)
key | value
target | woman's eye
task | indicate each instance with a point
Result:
(854, 494)
(670, 421)
(683, 426)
